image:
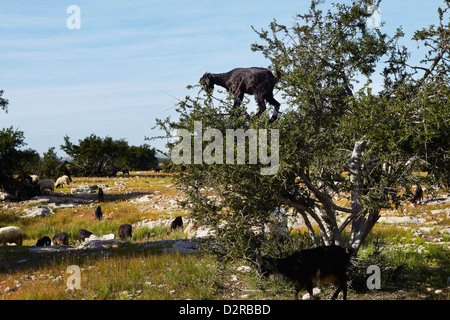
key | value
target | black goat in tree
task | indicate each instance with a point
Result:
(255, 81)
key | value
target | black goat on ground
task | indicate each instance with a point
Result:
(125, 231)
(98, 213)
(176, 223)
(255, 81)
(323, 264)
(418, 195)
(44, 241)
(83, 234)
(61, 238)
(100, 195)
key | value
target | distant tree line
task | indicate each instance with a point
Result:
(92, 156)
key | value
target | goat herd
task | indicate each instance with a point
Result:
(14, 234)
(326, 264)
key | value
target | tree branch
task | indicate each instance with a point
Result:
(355, 174)
(312, 214)
(323, 197)
(433, 65)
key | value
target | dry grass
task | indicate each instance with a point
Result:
(136, 273)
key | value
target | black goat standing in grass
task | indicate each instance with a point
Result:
(44, 241)
(84, 234)
(100, 195)
(98, 213)
(125, 231)
(176, 223)
(255, 81)
(322, 264)
(61, 238)
(418, 195)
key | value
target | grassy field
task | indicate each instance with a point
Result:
(414, 258)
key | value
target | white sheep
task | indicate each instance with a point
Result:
(11, 235)
(34, 178)
(46, 184)
(61, 181)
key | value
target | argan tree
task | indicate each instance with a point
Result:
(345, 151)
(99, 156)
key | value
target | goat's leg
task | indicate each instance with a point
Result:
(237, 102)
(298, 287)
(335, 295)
(342, 281)
(344, 290)
(261, 104)
(309, 288)
(276, 105)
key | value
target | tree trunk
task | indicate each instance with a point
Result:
(361, 225)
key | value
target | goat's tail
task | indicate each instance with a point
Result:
(278, 74)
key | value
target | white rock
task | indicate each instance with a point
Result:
(401, 220)
(82, 191)
(38, 211)
(193, 231)
(63, 205)
(316, 292)
(143, 199)
(104, 237)
(182, 246)
(438, 211)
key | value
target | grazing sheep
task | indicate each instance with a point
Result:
(125, 231)
(255, 81)
(100, 195)
(43, 242)
(322, 264)
(11, 235)
(61, 238)
(61, 181)
(83, 234)
(47, 184)
(98, 213)
(176, 223)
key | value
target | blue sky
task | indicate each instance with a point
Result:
(131, 59)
